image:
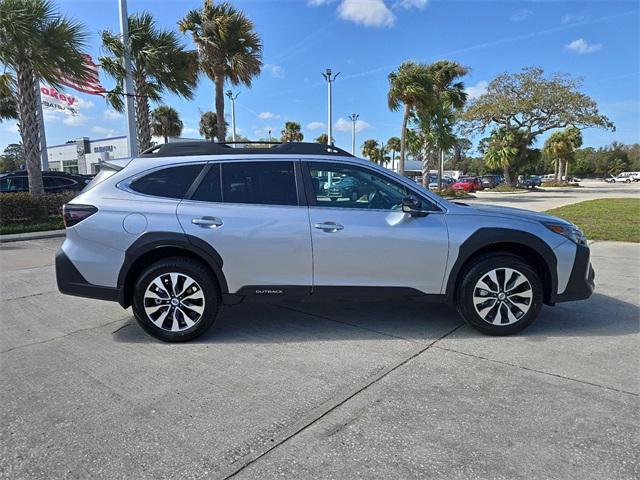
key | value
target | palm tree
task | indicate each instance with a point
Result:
(506, 149)
(8, 104)
(560, 146)
(159, 62)
(322, 138)
(292, 132)
(228, 48)
(370, 149)
(165, 122)
(37, 43)
(393, 144)
(409, 87)
(209, 125)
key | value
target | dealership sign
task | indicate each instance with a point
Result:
(57, 101)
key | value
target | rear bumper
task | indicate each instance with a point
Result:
(71, 282)
(582, 279)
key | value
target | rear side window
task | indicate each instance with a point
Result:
(261, 183)
(172, 182)
(209, 189)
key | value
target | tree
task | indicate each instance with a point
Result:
(159, 62)
(208, 126)
(165, 122)
(228, 48)
(8, 104)
(460, 147)
(437, 116)
(393, 144)
(322, 138)
(12, 157)
(508, 150)
(560, 147)
(370, 150)
(409, 87)
(529, 102)
(292, 132)
(37, 42)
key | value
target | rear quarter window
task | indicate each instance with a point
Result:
(171, 182)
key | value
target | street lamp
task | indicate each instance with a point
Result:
(330, 78)
(354, 120)
(233, 113)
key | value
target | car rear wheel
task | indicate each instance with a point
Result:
(176, 299)
(500, 294)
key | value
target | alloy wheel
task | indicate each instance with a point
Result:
(174, 302)
(502, 296)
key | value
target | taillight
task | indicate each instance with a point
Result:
(73, 214)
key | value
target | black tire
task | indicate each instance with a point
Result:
(479, 269)
(354, 196)
(210, 293)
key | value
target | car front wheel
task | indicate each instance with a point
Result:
(176, 299)
(500, 294)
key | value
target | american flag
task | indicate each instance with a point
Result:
(91, 84)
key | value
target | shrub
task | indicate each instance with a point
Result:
(23, 207)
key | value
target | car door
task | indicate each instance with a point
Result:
(370, 242)
(251, 213)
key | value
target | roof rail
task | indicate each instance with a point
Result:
(182, 149)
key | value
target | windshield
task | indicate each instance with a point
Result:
(105, 172)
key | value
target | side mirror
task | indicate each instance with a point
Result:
(412, 206)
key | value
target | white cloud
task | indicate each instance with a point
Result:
(474, 91)
(344, 125)
(317, 3)
(85, 104)
(76, 121)
(370, 13)
(571, 18)
(276, 71)
(406, 4)
(110, 114)
(520, 15)
(267, 116)
(50, 116)
(316, 125)
(581, 46)
(107, 132)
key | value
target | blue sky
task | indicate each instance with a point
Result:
(366, 39)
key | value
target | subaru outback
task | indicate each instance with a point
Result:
(188, 227)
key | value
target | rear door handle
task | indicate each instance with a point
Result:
(207, 222)
(328, 226)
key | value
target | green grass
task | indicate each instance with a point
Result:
(615, 219)
(53, 223)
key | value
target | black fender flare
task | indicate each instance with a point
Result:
(150, 241)
(486, 237)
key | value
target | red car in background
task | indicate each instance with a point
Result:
(468, 184)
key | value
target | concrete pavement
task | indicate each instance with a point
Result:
(308, 390)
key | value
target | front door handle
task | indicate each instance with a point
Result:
(207, 222)
(329, 226)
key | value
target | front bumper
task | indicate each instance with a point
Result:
(71, 282)
(581, 281)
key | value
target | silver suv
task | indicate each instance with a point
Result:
(188, 227)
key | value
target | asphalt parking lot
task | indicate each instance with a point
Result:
(308, 390)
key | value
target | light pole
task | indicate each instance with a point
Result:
(330, 78)
(129, 108)
(354, 120)
(233, 113)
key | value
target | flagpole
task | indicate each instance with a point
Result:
(129, 107)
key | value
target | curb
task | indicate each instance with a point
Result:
(20, 237)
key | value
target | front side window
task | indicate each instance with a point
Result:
(172, 182)
(347, 186)
(259, 183)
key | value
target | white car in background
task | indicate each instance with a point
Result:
(624, 177)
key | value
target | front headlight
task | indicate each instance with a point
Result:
(571, 232)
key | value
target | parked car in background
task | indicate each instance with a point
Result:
(54, 182)
(491, 181)
(348, 188)
(624, 177)
(445, 182)
(530, 181)
(468, 184)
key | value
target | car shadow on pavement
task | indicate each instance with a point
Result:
(406, 320)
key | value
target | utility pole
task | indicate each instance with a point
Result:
(129, 107)
(233, 113)
(354, 120)
(44, 154)
(440, 168)
(330, 79)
